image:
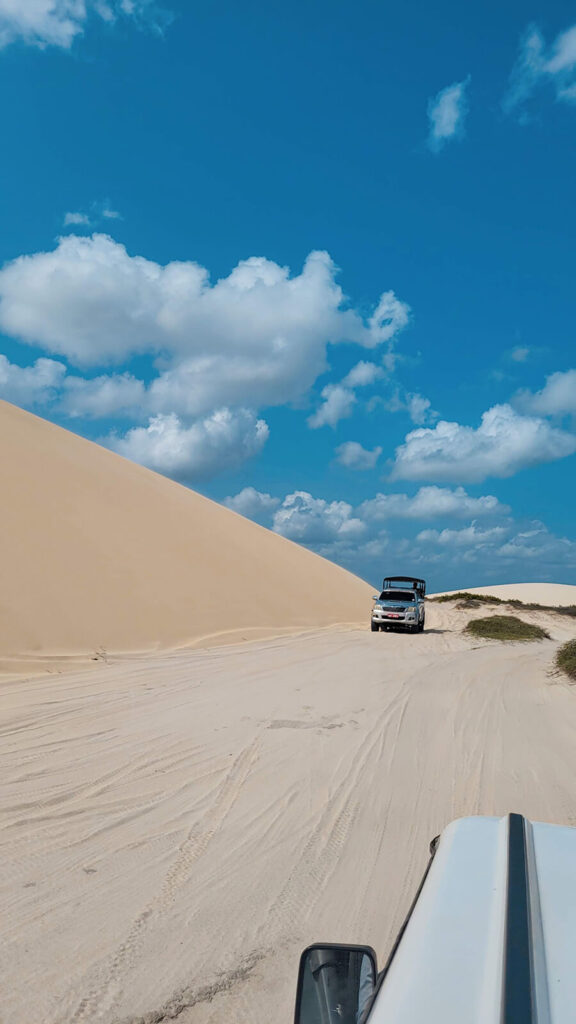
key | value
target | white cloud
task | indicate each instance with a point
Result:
(389, 318)
(30, 385)
(254, 504)
(340, 399)
(338, 403)
(354, 456)
(430, 503)
(538, 66)
(75, 219)
(470, 536)
(418, 408)
(102, 397)
(311, 520)
(99, 211)
(504, 443)
(446, 113)
(256, 337)
(58, 22)
(221, 441)
(362, 375)
(557, 397)
(539, 546)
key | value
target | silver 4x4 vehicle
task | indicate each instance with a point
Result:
(401, 603)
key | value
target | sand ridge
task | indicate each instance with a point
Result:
(176, 828)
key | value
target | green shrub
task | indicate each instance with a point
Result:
(566, 659)
(464, 595)
(505, 627)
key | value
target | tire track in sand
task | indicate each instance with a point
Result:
(99, 1003)
(321, 854)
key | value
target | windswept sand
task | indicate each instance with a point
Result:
(100, 555)
(177, 827)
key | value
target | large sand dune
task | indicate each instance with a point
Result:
(177, 827)
(99, 554)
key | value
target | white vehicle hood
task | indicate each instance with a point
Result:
(492, 937)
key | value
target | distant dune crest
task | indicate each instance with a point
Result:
(553, 594)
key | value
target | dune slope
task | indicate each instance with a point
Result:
(99, 554)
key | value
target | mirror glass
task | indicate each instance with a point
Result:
(335, 985)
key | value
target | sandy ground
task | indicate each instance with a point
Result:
(177, 827)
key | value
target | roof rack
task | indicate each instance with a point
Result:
(410, 583)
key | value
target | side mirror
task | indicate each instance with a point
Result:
(375, 597)
(335, 984)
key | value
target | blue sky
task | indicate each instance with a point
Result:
(314, 261)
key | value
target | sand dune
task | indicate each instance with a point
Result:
(552, 594)
(177, 827)
(99, 555)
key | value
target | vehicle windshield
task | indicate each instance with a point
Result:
(397, 595)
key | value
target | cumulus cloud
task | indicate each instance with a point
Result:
(352, 455)
(557, 397)
(254, 504)
(504, 443)
(221, 441)
(469, 536)
(417, 406)
(538, 65)
(340, 399)
(362, 375)
(337, 404)
(446, 113)
(103, 397)
(430, 503)
(30, 385)
(506, 548)
(45, 23)
(538, 545)
(311, 520)
(256, 337)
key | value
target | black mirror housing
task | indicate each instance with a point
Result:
(335, 984)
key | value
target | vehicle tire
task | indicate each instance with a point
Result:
(421, 626)
(374, 627)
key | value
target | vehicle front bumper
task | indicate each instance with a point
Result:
(381, 618)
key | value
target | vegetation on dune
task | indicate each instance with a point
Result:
(468, 600)
(566, 659)
(464, 595)
(505, 627)
(569, 609)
